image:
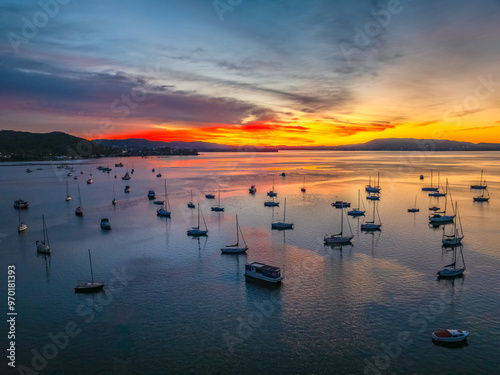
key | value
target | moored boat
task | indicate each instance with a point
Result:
(263, 272)
(105, 224)
(450, 335)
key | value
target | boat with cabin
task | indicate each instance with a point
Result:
(450, 335)
(357, 211)
(340, 238)
(20, 204)
(43, 246)
(263, 272)
(105, 224)
(196, 231)
(482, 183)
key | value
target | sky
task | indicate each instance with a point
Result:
(252, 72)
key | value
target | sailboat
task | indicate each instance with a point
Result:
(114, 201)
(451, 270)
(303, 189)
(236, 248)
(339, 238)
(271, 203)
(22, 226)
(373, 189)
(441, 217)
(196, 231)
(191, 204)
(357, 211)
(414, 209)
(79, 209)
(68, 197)
(272, 193)
(482, 197)
(218, 208)
(164, 210)
(43, 246)
(159, 173)
(370, 225)
(282, 224)
(482, 184)
(429, 188)
(436, 192)
(92, 286)
(455, 238)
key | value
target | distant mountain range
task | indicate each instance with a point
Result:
(17, 145)
(387, 144)
(138, 144)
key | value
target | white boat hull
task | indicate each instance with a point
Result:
(451, 272)
(233, 250)
(453, 335)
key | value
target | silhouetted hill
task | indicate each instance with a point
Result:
(17, 145)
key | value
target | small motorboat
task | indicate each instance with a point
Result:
(151, 194)
(105, 224)
(341, 204)
(159, 202)
(127, 189)
(252, 189)
(210, 196)
(20, 204)
(450, 335)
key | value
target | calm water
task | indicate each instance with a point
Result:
(175, 304)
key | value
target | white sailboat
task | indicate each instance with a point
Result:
(371, 225)
(282, 224)
(357, 211)
(482, 197)
(196, 231)
(191, 204)
(43, 246)
(114, 201)
(22, 226)
(451, 270)
(79, 209)
(92, 286)
(457, 236)
(436, 192)
(164, 210)
(272, 193)
(68, 197)
(441, 217)
(414, 209)
(236, 248)
(339, 238)
(429, 188)
(218, 208)
(481, 185)
(373, 189)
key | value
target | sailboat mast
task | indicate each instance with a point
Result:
(91, 272)
(43, 227)
(284, 211)
(198, 216)
(237, 231)
(378, 179)
(342, 220)
(431, 177)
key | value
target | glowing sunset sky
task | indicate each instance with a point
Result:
(259, 72)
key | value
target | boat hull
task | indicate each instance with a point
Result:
(356, 213)
(197, 232)
(281, 226)
(338, 240)
(89, 287)
(217, 209)
(233, 250)
(453, 272)
(271, 204)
